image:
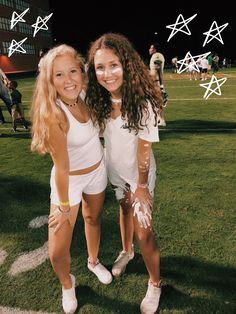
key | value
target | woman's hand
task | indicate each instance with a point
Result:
(58, 218)
(143, 204)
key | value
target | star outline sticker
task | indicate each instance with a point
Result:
(15, 18)
(208, 86)
(189, 57)
(43, 21)
(217, 28)
(18, 48)
(185, 24)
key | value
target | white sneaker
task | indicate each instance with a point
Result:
(121, 262)
(69, 301)
(150, 303)
(104, 276)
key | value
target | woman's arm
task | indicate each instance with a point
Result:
(142, 199)
(5, 79)
(143, 155)
(59, 154)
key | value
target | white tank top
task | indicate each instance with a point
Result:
(83, 143)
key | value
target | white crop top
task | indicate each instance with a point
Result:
(83, 143)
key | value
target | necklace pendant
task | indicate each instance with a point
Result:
(69, 105)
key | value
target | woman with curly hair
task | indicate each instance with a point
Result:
(62, 126)
(125, 103)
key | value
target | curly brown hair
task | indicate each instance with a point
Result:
(138, 86)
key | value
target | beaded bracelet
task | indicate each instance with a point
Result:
(63, 211)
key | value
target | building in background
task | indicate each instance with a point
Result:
(23, 62)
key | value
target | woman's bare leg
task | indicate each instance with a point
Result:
(126, 227)
(92, 208)
(59, 248)
(149, 250)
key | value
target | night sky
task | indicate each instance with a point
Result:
(78, 27)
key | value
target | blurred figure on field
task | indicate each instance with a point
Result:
(4, 94)
(192, 71)
(209, 59)
(224, 63)
(157, 63)
(215, 63)
(174, 64)
(17, 110)
(204, 65)
(199, 64)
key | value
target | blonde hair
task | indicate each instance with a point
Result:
(44, 110)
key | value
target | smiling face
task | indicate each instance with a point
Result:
(67, 78)
(109, 71)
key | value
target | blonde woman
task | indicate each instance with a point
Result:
(63, 128)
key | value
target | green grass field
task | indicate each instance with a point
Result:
(194, 218)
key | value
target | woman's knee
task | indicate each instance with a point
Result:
(145, 237)
(58, 255)
(126, 210)
(92, 220)
(126, 206)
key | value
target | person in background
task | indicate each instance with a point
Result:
(215, 63)
(4, 94)
(174, 62)
(199, 65)
(17, 110)
(224, 63)
(204, 68)
(209, 59)
(192, 70)
(125, 102)
(157, 63)
(62, 126)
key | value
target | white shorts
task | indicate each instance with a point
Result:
(120, 183)
(94, 182)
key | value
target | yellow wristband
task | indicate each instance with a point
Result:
(64, 203)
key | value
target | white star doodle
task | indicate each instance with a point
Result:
(16, 46)
(208, 86)
(183, 24)
(189, 58)
(15, 18)
(43, 25)
(218, 30)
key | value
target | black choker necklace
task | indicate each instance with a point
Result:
(69, 105)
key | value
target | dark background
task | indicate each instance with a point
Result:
(139, 22)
